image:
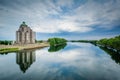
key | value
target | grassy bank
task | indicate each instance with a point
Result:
(17, 47)
(5, 50)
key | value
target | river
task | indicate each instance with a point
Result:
(75, 61)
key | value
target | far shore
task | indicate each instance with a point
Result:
(5, 48)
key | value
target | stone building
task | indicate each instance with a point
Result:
(25, 35)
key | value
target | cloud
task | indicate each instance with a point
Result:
(55, 26)
(56, 16)
(83, 18)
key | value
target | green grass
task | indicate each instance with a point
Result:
(4, 50)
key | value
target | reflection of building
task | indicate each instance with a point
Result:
(24, 59)
(25, 35)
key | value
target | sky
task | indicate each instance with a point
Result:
(70, 19)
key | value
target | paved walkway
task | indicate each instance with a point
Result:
(26, 46)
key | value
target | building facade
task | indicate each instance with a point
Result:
(25, 35)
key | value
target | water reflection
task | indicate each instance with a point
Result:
(57, 48)
(114, 55)
(75, 62)
(25, 59)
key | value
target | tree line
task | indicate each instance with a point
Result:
(113, 43)
(85, 41)
(56, 41)
(5, 42)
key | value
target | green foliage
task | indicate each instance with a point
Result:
(112, 42)
(39, 41)
(56, 48)
(4, 50)
(56, 44)
(56, 41)
(85, 41)
(6, 42)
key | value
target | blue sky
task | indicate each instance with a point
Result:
(70, 19)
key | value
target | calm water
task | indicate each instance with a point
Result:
(77, 61)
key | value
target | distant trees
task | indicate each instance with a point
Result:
(5, 42)
(56, 44)
(56, 41)
(113, 43)
(39, 41)
(85, 41)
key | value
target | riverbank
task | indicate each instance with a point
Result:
(109, 43)
(17, 47)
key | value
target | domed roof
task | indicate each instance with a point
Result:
(23, 24)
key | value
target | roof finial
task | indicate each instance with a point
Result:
(23, 24)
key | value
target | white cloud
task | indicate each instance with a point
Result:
(54, 26)
(93, 13)
(41, 15)
(85, 17)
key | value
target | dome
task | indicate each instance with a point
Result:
(23, 24)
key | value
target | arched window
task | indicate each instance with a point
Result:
(22, 28)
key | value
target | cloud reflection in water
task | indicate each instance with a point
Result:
(77, 63)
